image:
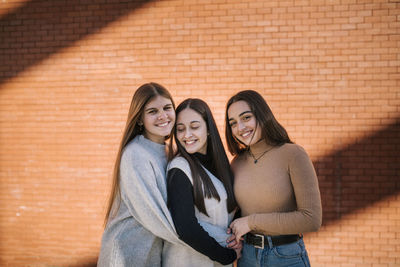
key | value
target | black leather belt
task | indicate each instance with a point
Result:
(260, 241)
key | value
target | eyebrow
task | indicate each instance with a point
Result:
(241, 114)
(151, 108)
(244, 112)
(190, 122)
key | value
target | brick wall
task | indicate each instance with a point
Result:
(68, 69)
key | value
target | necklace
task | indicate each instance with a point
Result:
(262, 154)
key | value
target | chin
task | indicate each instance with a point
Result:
(245, 142)
(190, 151)
(165, 133)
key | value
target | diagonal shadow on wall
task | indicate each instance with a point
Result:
(355, 177)
(350, 179)
(360, 174)
(39, 29)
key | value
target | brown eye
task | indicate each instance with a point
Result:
(246, 118)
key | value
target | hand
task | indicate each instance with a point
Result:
(239, 228)
(232, 243)
(238, 253)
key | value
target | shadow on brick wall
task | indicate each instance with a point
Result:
(360, 174)
(38, 29)
(355, 177)
(90, 263)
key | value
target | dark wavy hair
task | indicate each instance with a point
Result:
(202, 184)
(272, 131)
(141, 97)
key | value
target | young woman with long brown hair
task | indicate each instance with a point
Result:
(275, 185)
(200, 192)
(138, 219)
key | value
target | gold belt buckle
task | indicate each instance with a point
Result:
(262, 242)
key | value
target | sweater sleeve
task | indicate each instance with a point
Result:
(181, 205)
(142, 195)
(308, 215)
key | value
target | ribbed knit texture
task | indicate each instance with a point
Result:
(135, 235)
(280, 192)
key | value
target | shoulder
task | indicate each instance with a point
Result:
(294, 152)
(136, 145)
(137, 151)
(180, 163)
(294, 149)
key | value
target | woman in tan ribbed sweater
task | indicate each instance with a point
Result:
(275, 185)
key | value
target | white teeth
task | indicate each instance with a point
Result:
(190, 142)
(246, 134)
(163, 124)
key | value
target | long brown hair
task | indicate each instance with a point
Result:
(141, 97)
(202, 184)
(272, 131)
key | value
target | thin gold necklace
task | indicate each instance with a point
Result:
(262, 154)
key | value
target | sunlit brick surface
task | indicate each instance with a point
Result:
(68, 69)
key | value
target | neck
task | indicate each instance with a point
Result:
(260, 147)
(156, 139)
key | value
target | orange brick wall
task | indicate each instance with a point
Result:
(68, 69)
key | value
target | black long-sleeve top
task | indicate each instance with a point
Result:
(182, 208)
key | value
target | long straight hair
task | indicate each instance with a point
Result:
(272, 131)
(202, 184)
(141, 97)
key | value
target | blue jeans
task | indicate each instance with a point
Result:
(293, 254)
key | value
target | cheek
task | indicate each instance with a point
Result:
(234, 131)
(147, 120)
(172, 116)
(203, 133)
(179, 136)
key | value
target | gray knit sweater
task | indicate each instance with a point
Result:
(134, 236)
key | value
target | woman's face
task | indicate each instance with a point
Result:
(191, 131)
(158, 119)
(243, 123)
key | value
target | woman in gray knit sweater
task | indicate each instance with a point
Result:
(138, 219)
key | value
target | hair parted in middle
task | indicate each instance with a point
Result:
(272, 131)
(202, 184)
(133, 127)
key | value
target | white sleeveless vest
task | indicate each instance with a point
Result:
(215, 224)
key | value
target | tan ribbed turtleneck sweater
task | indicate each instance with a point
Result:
(280, 192)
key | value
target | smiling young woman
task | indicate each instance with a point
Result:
(275, 185)
(200, 194)
(137, 219)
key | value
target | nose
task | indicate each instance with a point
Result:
(241, 126)
(162, 115)
(188, 134)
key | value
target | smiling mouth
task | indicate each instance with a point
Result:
(163, 124)
(190, 142)
(246, 134)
